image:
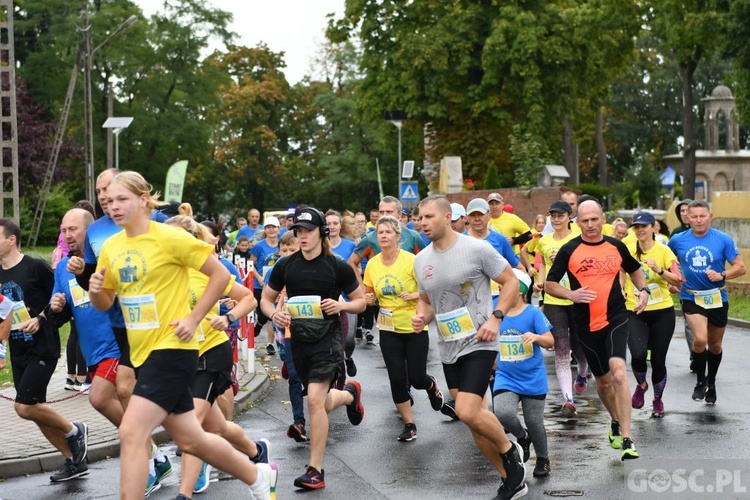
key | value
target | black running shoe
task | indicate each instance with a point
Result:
(542, 467)
(355, 411)
(514, 485)
(435, 395)
(505, 492)
(525, 446)
(69, 471)
(408, 434)
(711, 395)
(699, 393)
(449, 409)
(351, 368)
(78, 444)
(312, 479)
(297, 432)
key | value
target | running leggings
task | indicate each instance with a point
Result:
(405, 356)
(650, 330)
(563, 330)
(506, 409)
(76, 361)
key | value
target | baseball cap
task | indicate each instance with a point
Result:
(271, 221)
(457, 211)
(478, 205)
(643, 219)
(290, 213)
(560, 206)
(495, 197)
(309, 219)
(524, 282)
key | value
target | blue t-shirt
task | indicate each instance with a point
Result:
(699, 254)
(527, 377)
(500, 243)
(263, 252)
(345, 249)
(94, 330)
(237, 277)
(425, 239)
(252, 234)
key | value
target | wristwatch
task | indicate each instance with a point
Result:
(230, 317)
(498, 314)
(724, 274)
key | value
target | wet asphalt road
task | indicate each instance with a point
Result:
(367, 462)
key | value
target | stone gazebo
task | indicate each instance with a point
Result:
(722, 165)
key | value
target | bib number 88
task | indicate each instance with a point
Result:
(454, 327)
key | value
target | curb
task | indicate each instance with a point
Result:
(248, 394)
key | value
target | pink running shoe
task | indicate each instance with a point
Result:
(580, 385)
(637, 400)
(657, 409)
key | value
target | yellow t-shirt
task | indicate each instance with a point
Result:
(389, 282)
(510, 226)
(658, 288)
(208, 337)
(548, 246)
(149, 274)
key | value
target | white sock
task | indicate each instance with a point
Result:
(159, 456)
(72, 432)
(258, 477)
(151, 468)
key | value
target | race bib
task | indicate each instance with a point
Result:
(79, 295)
(455, 325)
(20, 315)
(565, 281)
(513, 349)
(654, 294)
(385, 320)
(140, 312)
(304, 307)
(708, 299)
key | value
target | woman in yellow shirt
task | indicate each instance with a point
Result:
(653, 328)
(389, 280)
(146, 265)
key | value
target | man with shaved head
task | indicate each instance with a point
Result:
(454, 274)
(593, 262)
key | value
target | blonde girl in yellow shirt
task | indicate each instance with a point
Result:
(389, 281)
(146, 265)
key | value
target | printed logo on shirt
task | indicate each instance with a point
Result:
(428, 272)
(699, 257)
(596, 266)
(131, 268)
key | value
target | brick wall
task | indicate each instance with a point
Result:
(526, 203)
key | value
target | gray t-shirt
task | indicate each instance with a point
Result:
(460, 277)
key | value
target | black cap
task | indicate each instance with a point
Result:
(560, 206)
(308, 218)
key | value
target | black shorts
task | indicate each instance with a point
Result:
(121, 337)
(319, 361)
(471, 372)
(718, 317)
(31, 376)
(165, 379)
(214, 374)
(601, 345)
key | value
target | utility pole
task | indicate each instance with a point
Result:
(8, 117)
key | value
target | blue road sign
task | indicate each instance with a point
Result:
(410, 191)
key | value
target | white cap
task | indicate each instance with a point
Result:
(271, 221)
(524, 280)
(457, 211)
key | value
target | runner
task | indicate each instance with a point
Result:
(509, 225)
(703, 253)
(314, 280)
(453, 274)
(260, 254)
(521, 376)
(34, 349)
(592, 263)
(389, 280)
(146, 264)
(653, 328)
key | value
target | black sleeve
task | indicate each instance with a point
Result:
(59, 319)
(83, 279)
(522, 238)
(560, 264)
(276, 281)
(347, 278)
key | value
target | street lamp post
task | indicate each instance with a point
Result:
(396, 118)
(117, 125)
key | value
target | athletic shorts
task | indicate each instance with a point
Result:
(471, 372)
(601, 345)
(31, 376)
(319, 361)
(106, 369)
(121, 337)
(165, 379)
(717, 317)
(214, 374)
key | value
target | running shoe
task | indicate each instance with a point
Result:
(312, 479)
(614, 438)
(297, 432)
(637, 400)
(351, 368)
(85, 387)
(408, 434)
(266, 489)
(542, 467)
(449, 410)
(699, 393)
(151, 486)
(525, 446)
(163, 469)
(69, 470)
(569, 410)
(71, 384)
(657, 408)
(580, 385)
(369, 337)
(435, 395)
(514, 485)
(355, 411)
(204, 478)
(270, 350)
(264, 451)
(711, 395)
(180, 496)
(78, 444)
(628, 449)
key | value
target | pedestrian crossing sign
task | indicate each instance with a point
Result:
(410, 191)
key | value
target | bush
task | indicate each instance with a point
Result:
(59, 201)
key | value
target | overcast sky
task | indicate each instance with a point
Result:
(295, 27)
